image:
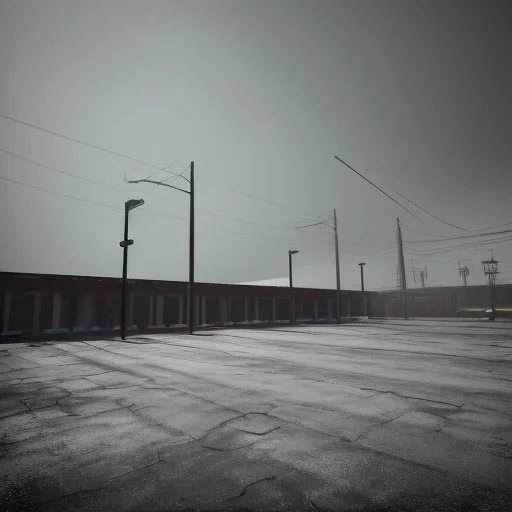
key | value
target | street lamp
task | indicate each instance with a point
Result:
(362, 287)
(292, 297)
(191, 253)
(129, 205)
(337, 254)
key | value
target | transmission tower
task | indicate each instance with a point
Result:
(419, 276)
(423, 276)
(490, 273)
(464, 273)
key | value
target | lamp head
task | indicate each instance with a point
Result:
(133, 203)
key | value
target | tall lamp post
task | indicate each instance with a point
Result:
(292, 296)
(337, 254)
(129, 205)
(191, 251)
(362, 288)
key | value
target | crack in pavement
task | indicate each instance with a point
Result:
(74, 493)
(244, 490)
(412, 397)
(257, 433)
(139, 468)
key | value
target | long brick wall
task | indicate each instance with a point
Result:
(42, 303)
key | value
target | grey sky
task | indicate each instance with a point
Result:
(261, 95)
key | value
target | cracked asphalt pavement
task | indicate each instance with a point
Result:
(377, 415)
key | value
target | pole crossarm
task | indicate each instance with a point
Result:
(146, 180)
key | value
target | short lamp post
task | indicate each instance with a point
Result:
(292, 296)
(129, 205)
(365, 313)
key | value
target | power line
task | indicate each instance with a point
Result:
(113, 187)
(72, 175)
(256, 198)
(140, 161)
(59, 194)
(86, 144)
(97, 203)
(175, 176)
(429, 213)
(504, 231)
(418, 231)
(467, 245)
(316, 224)
(378, 188)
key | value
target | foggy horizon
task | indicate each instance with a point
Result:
(261, 96)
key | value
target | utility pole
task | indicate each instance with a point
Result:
(338, 313)
(401, 266)
(490, 272)
(191, 260)
(362, 288)
(464, 273)
(191, 193)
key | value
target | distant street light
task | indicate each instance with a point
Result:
(129, 205)
(292, 296)
(362, 288)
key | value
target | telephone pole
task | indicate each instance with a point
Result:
(338, 313)
(401, 265)
(191, 193)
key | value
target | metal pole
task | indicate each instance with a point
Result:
(125, 267)
(337, 268)
(401, 266)
(292, 298)
(290, 268)
(191, 255)
(362, 287)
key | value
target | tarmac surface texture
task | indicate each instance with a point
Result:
(379, 415)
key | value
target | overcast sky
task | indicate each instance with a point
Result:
(261, 95)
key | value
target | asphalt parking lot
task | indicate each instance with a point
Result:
(380, 415)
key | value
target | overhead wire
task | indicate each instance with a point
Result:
(467, 245)
(256, 198)
(35, 187)
(98, 203)
(83, 143)
(429, 213)
(378, 188)
(73, 175)
(461, 237)
(143, 162)
(114, 187)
